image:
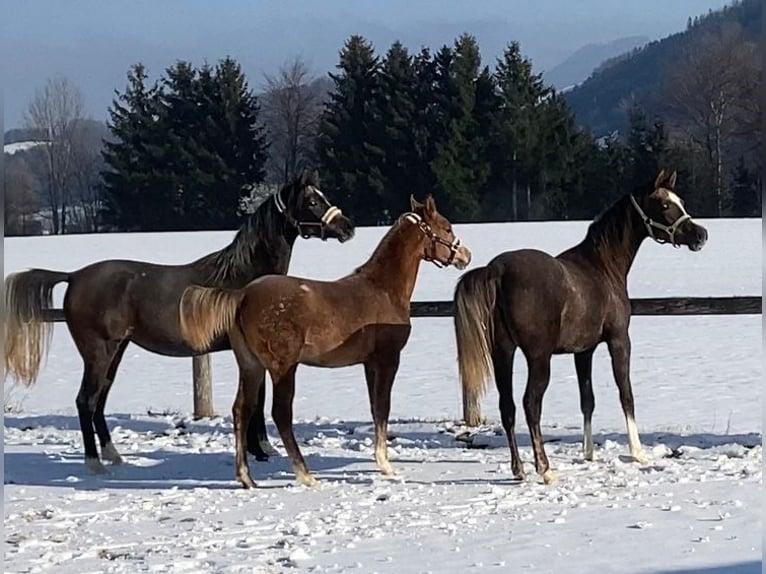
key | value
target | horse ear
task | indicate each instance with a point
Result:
(660, 179)
(430, 205)
(315, 178)
(672, 180)
(414, 203)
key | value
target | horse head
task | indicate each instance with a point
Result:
(663, 214)
(444, 247)
(305, 206)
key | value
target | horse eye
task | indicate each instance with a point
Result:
(313, 202)
(665, 206)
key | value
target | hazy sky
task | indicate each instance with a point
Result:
(93, 43)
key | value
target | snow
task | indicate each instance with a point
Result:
(21, 146)
(175, 505)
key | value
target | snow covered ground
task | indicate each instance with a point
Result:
(175, 506)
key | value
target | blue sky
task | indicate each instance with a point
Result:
(93, 43)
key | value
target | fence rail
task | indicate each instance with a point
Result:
(658, 306)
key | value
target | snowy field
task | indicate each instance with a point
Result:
(175, 506)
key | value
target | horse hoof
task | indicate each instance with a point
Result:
(267, 449)
(308, 480)
(520, 476)
(640, 457)
(387, 470)
(246, 482)
(549, 477)
(110, 453)
(95, 466)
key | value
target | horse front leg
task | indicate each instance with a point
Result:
(380, 376)
(584, 368)
(619, 350)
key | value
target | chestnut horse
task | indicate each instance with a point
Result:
(112, 303)
(279, 322)
(565, 304)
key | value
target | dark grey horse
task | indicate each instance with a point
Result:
(112, 303)
(570, 303)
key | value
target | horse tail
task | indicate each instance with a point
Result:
(27, 334)
(206, 313)
(475, 295)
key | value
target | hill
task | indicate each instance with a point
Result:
(577, 67)
(599, 103)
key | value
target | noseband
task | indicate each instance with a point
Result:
(669, 229)
(329, 215)
(435, 239)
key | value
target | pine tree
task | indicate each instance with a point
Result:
(351, 160)
(135, 189)
(398, 129)
(459, 166)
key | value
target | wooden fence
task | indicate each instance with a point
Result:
(661, 306)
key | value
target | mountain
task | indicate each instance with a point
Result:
(584, 61)
(599, 102)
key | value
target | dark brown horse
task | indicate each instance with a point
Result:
(566, 304)
(279, 322)
(111, 303)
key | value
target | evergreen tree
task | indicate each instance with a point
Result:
(352, 162)
(398, 129)
(516, 137)
(459, 166)
(135, 189)
(185, 149)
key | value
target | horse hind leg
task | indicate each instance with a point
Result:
(502, 362)
(537, 383)
(94, 375)
(584, 369)
(108, 451)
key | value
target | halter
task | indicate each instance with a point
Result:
(425, 228)
(669, 229)
(331, 213)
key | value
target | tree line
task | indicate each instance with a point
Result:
(190, 149)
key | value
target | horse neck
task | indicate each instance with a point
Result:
(613, 242)
(394, 264)
(262, 245)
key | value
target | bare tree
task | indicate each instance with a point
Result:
(21, 198)
(714, 93)
(83, 181)
(56, 110)
(291, 106)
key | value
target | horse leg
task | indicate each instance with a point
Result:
(282, 412)
(380, 375)
(108, 452)
(96, 363)
(250, 377)
(257, 438)
(502, 362)
(584, 368)
(537, 382)
(619, 350)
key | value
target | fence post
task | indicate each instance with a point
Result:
(203, 389)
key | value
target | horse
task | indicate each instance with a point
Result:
(111, 303)
(278, 322)
(567, 304)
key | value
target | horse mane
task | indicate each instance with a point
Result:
(382, 244)
(235, 261)
(606, 233)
